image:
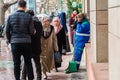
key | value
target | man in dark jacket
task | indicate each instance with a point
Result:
(36, 46)
(19, 28)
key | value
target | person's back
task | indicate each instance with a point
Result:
(20, 22)
(19, 28)
(36, 38)
(36, 43)
(36, 46)
(62, 17)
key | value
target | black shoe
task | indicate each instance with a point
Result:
(77, 69)
(56, 69)
(63, 53)
(22, 79)
(67, 70)
(39, 75)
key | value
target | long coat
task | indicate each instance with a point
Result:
(48, 46)
(36, 44)
(61, 41)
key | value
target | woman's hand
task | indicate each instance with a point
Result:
(67, 34)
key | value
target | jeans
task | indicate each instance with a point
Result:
(23, 49)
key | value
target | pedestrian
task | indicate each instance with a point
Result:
(48, 46)
(61, 38)
(82, 35)
(72, 25)
(62, 17)
(36, 46)
(19, 28)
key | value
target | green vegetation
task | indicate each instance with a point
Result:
(78, 6)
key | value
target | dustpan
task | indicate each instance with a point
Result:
(72, 67)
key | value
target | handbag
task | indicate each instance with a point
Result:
(57, 57)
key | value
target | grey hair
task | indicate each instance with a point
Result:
(45, 18)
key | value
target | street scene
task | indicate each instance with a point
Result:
(6, 68)
(59, 39)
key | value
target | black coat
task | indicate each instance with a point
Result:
(19, 27)
(36, 39)
(61, 37)
(61, 40)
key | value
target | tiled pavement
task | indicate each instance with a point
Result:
(6, 67)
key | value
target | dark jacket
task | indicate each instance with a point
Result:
(61, 40)
(19, 27)
(36, 39)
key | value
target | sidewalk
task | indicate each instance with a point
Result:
(6, 67)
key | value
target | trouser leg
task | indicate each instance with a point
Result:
(16, 59)
(27, 60)
(24, 73)
(38, 66)
(78, 56)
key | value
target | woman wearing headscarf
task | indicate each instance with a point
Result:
(61, 37)
(62, 17)
(48, 46)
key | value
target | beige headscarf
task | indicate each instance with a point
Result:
(56, 27)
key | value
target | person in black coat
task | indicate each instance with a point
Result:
(18, 29)
(62, 17)
(36, 46)
(61, 37)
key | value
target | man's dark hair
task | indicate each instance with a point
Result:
(22, 3)
(31, 12)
